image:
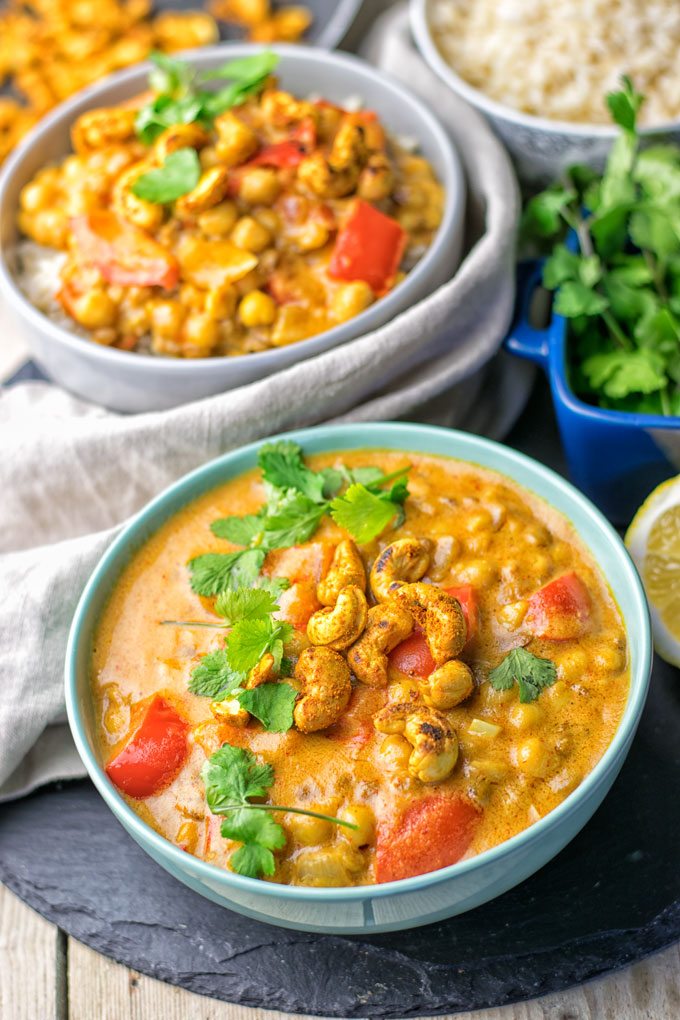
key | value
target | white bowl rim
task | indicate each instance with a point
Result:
(421, 30)
(373, 435)
(148, 363)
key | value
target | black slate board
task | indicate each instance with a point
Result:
(611, 897)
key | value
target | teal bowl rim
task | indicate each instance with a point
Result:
(375, 435)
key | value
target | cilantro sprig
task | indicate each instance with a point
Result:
(255, 632)
(179, 98)
(297, 500)
(233, 777)
(179, 174)
(620, 285)
(531, 674)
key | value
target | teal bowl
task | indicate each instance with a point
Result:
(425, 898)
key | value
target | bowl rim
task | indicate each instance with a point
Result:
(420, 25)
(405, 436)
(267, 360)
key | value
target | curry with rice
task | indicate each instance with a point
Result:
(356, 668)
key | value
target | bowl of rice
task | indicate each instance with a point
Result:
(540, 71)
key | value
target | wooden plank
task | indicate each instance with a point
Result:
(28, 962)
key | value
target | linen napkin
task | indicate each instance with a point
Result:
(71, 473)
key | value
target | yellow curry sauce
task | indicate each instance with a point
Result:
(291, 217)
(516, 761)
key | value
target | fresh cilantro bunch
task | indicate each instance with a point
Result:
(618, 276)
(297, 500)
(233, 777)
(531, 674)
(179, 98)
(254, 633)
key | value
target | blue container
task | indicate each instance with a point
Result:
(614, 457)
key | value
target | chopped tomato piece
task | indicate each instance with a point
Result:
(369, 247)
(412, 656)
(154, 755)
(355, 727)
(467, 597)
(431, 833)
(280, 154)
(124, 254)
(560, 610)
(298, 603)
(305, 133)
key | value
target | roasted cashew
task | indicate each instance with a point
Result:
(262, 672)
(386, 626)
(100, 128)
(435, 745)
(210, 190)
(147, 215)
(346, 568)
(326, 689)
(405, 560)
(448, 685)
(337, 175)
(439, 615)
(179, 136)
(340, 625)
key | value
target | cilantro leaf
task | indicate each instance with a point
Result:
(169, 74)
(294, 521)
(625, 104)
(244, 69)
(620, 373)
(179, 174)
(272, 704)
(244, 530)
(282, 465)
(528, 671)
(232, 775)
(245, 604)
(213, 573)
(249, 640)
(575, 298)
(365, 514)
(543, 213)
(252, 860)
(214, 676)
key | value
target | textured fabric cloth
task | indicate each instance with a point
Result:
(71, 474)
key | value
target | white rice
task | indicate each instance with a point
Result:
(37, 272)
(558, 58)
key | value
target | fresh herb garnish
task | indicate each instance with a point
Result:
(179, 174)
(621, 289)
(297, 500)
(255, 632)
(233, 777)
(180, 100)
(531, 674)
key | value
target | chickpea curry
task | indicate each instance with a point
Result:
(200, 222)
(376, 664)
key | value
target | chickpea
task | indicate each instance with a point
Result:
(116, 712)
(236, 140)
(257, 309)
(512, 615)
(532, 758)
(259, 186)
(396, 751)
(610, 658)
(403, 691)
(200, 333)
(541, 566)
(572, 664)
(478, 520)
(479, 544)
(559, 694)
(321, 867)
(218, 221)
(524, 717)
(250, 235)
(47, 226)
(311, 236)
(361, 816)
(269, 219)
(94, 309)
(350, 299)
(220, 302)
(536, 533)
(479, 573)
(310, 831)
(561, 553)
(166, 319)
(36, 195)
(449, 685)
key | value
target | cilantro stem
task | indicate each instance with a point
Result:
(384, 479)
(666, 408)
(289, 810)
(192, 623)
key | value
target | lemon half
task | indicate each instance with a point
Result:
(653, 540)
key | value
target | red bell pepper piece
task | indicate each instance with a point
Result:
(124, 254)
(412, 656)
(560, 610)
(467, 597)
(431, 833)
(154, 755)
(281, 155)
(369, 247)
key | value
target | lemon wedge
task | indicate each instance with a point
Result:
(653, 540)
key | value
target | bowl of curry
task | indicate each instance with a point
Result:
(189, 226)
(359, 678)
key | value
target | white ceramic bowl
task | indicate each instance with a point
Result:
(541, 148)
(126, 381)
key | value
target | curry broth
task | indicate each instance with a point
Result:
(490, 534)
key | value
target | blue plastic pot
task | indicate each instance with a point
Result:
(616, 458)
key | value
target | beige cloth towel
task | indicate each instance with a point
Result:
(70, 473)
